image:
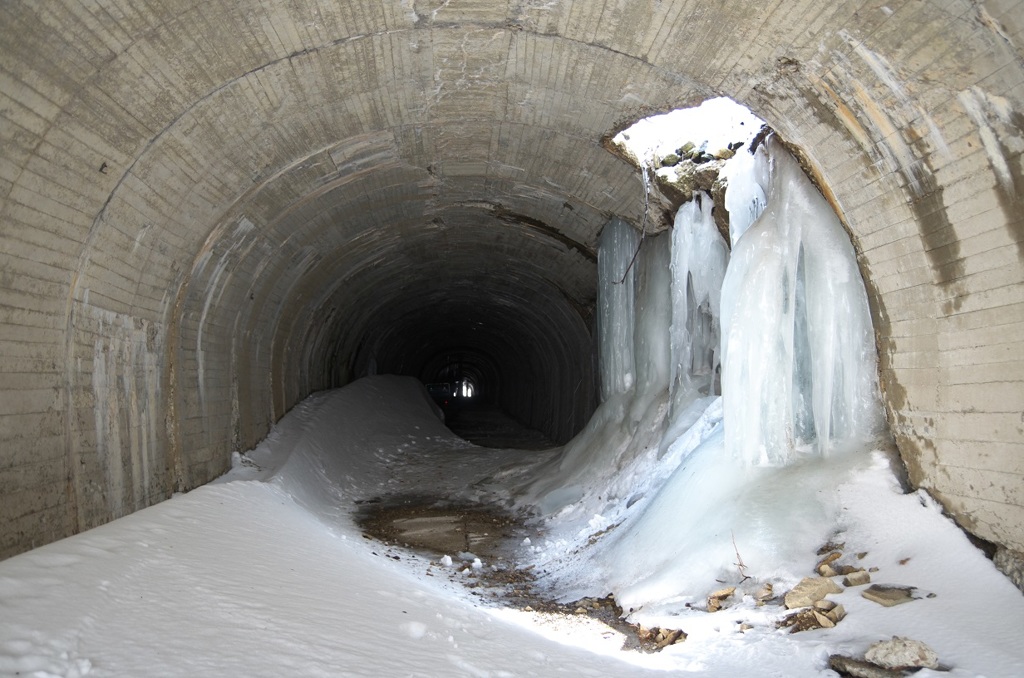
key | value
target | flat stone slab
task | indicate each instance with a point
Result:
(889, 595)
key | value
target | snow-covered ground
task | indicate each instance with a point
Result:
(266, 574)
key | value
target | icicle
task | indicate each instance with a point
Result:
(747, 180)
(699, 259)
(615, 297)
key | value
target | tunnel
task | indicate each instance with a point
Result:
(212, 210)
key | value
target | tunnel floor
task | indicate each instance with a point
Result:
(269, 572)
(488, 426)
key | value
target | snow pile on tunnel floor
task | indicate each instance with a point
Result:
(266, 574)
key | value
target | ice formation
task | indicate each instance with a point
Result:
(724, 379)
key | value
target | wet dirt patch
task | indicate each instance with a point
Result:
(441, 526)
(464, 531)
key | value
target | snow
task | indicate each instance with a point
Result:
(739, 431)
(253, 576)
(712, 125)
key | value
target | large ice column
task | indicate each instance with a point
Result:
(699, 259)
(616, 276)
(797, 345)
(652, 316)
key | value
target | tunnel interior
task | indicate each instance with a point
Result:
(212, 210)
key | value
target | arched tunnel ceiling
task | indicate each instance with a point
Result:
(211, 208)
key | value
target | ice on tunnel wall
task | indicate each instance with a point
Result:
(675, 479)
(799, 371)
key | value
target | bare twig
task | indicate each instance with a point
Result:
(739, 560)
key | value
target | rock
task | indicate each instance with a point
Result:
(685, 149)
(857, 668)
(810, 590)
(826, 571)
(723, 593)
(831, 546)
(902, 653)
(824, 605)
(670, 160)
(719, 212)
(716, 598)
(888, 595)
(725, 153)
(858, 578)
(1010, 563)
(823, 621)
(810, 619)
(670, 638)
(837, 613)
(827, 561)
(764, 594)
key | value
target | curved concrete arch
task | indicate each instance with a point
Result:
(204, 206)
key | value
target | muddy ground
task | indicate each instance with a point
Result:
(438, 527)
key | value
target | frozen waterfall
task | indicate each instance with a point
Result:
(724, 378)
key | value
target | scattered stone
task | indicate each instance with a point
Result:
(824, 614)
(826, 571)
(857, 668)
(902, 653)
(671, 638)
(810, 590)
(823, 621)
(725, 154)
(685, 149)
(857, 578)
(862, 555)
(872, 569)
(824, 566)
(744, 627)
(715, 599)
(670, 160)
(764, 594)
(810, 619)
(888, 595)
(658, 639)
(830, 546)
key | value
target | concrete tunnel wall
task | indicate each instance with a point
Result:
(212, 209)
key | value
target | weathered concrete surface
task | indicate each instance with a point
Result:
(211, 209)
